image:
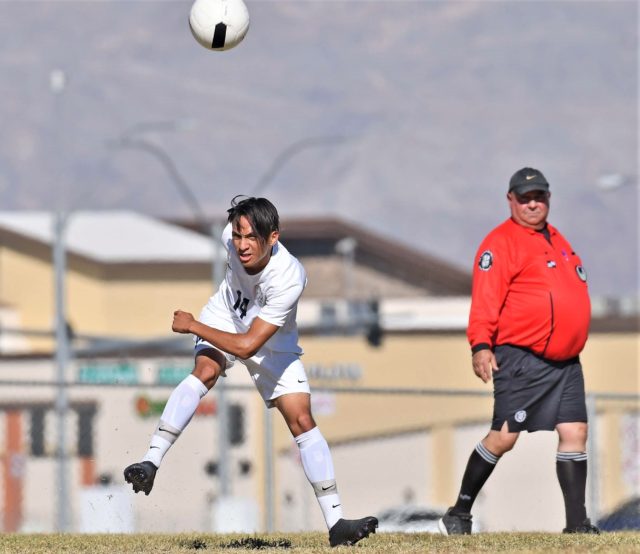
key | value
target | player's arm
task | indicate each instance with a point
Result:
(484, 363)
(489, 290)
(241, 345)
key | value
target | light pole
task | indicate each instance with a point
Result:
(57, 84)
(346, 247)
(261, 185)
(290, 152)
(131, 140)
(614, 181)
(62, 361)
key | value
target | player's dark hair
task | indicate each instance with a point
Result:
(261, 213)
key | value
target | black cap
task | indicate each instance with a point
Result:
(526, 180)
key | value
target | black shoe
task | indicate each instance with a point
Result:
(455, 523)
(585, 527)
(141, 476)
(350, 531)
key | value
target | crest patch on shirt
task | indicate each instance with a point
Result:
(582, 273)
(261, 298)
(486, 260)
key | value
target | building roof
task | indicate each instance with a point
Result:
(321, 237)
(113, 236)
(383, 267)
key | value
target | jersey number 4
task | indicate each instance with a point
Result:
(241, 303)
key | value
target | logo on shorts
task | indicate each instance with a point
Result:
(486, 260)
(520, 416)
(582, 273)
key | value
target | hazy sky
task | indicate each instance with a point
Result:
(405, 117)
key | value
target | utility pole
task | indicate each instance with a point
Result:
(218, 273)
(57, 85)
(132, 140)
(62, 361)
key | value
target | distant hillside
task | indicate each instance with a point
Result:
(422, 111)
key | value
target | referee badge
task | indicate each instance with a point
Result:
(486, 260)
(582, 273)
(520, 416)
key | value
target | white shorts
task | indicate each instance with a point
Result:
(273, 373)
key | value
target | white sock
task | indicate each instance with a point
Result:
(318, 467)
(177, 413)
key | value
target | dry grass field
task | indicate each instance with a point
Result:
(305, 543)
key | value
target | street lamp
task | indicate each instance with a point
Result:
(614, 181)
(261, 185)
(131, 140)
(290, 152)
(57, 84)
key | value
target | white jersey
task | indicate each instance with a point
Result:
(272, 295)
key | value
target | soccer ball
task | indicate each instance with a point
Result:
(219, 24)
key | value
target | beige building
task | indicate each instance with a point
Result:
(401, 417)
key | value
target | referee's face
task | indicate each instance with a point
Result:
(530, 209)
(253, 252)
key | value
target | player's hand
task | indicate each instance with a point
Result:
(484, 364)
(182, 321)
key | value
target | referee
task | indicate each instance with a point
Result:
(529, 321)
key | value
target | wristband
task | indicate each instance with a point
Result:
(480, 346)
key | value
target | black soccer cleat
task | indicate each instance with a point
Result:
(141, 476)
(349, 531)
(455, 523)
(585, 527)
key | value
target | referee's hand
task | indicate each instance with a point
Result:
(484, 364)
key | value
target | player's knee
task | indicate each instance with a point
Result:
(305, 422)
(208, 372)
(573, 435)
(503, 446)
(299, 423)
(500, 443)
(207, 375)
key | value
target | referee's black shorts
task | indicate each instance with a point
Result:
(534, 394)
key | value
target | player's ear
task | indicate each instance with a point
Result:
(273, 238)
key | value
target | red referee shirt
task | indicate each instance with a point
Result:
(528, 292)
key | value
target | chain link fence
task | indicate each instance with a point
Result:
(393, 449)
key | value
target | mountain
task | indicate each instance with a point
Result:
(406, 117)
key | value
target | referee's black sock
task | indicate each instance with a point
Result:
(571, 468)
(479, 467)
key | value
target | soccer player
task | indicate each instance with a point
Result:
(252, 319)
(528, 323)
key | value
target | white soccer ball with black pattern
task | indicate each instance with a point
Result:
(219, 24)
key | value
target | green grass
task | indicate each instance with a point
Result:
(303, 543)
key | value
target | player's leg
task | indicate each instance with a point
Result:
(318, 467)
(571, 468)
(481, 464)
(500, 439)
(483, 460)
(571, 457)
(314, 452)
(177, 414)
